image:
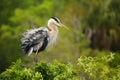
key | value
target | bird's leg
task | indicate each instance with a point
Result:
(36, 54)
(36, 58)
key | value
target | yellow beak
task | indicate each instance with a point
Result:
(64, 26)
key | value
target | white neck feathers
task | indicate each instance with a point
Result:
(53, 33)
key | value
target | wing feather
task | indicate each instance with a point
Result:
(32, 38)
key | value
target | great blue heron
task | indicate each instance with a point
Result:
(36, 40)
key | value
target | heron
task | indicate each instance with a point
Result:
(36, 40)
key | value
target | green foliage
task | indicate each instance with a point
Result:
(19, 72)
(88, 68)
(97, 68)
(56, 71)
(42, 71)
(116, 61)
(102, 17)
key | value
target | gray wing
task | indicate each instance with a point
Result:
(32, 38)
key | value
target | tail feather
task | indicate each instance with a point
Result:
(29, 51)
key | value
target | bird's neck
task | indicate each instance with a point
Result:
(53, 29)
(53, 33)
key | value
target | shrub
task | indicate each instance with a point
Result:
(56, 71)
(97, 68)
(18, 72)
(88, 68)
(42, 71)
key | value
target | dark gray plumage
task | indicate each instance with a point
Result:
(35, 40)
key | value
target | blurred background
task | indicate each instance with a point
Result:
(94, 29)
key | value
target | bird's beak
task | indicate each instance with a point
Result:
(64, 26)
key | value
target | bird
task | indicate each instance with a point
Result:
(38, 39)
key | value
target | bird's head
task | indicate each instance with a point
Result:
(56, 21)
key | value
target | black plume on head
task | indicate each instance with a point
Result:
(56, 19)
